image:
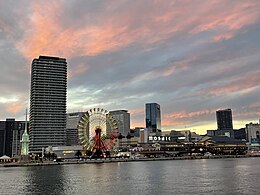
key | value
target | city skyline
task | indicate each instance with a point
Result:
(191, 57)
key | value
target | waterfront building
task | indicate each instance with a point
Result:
(72, 122)
(10, 135)
(128, 142)
(2, 138)
(48, 103)
(153, 117)
(182, 136)
(66, 152)
(211, 133)
(122, 118)
(195, 137)
(143, 135)
(224, 132)
(253, 132)
(240, 134)
(223, 145)
(224, 119)
(224, 123)
(136, 131)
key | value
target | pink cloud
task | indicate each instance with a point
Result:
(78, 70)
(136, 111)
(47, 36)
(14, 108)
(137, 124)
(181, 115)
(227, 20)
(184, 119)
(223, 37)
(245, 84)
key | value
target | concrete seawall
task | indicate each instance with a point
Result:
(93, 161)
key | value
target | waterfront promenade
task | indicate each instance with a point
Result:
(114, 160)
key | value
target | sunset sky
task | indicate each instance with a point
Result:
(192, 57)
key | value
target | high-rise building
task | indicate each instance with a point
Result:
(10, 135)
(72, 128)
(8, 142)
(153, 117)
(122, 118)
(48, 103)
(2, 138)
(224, 119)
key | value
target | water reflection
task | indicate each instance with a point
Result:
(45, 180)
(218, 176)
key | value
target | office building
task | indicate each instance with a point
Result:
(10, 135)
(48, 103)
(72, 128)
(253, 132)
(253, 136)
(122, 118)
(224, 119)
(153, 117)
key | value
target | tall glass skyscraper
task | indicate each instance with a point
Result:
(48, 99)
(224, 119)
(153, 117)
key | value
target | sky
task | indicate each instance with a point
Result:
(192, 57)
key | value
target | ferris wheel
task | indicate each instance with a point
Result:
(97, 128)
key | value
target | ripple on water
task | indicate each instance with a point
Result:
(207, 176)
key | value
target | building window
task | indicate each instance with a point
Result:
(257, 135)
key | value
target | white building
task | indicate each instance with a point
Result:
(253, 132)
(143, 135)
(253, 136)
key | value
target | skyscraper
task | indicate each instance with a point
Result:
(153, 117)
(8, 136)
(122, 118)
(224, 119)
(48, 102)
